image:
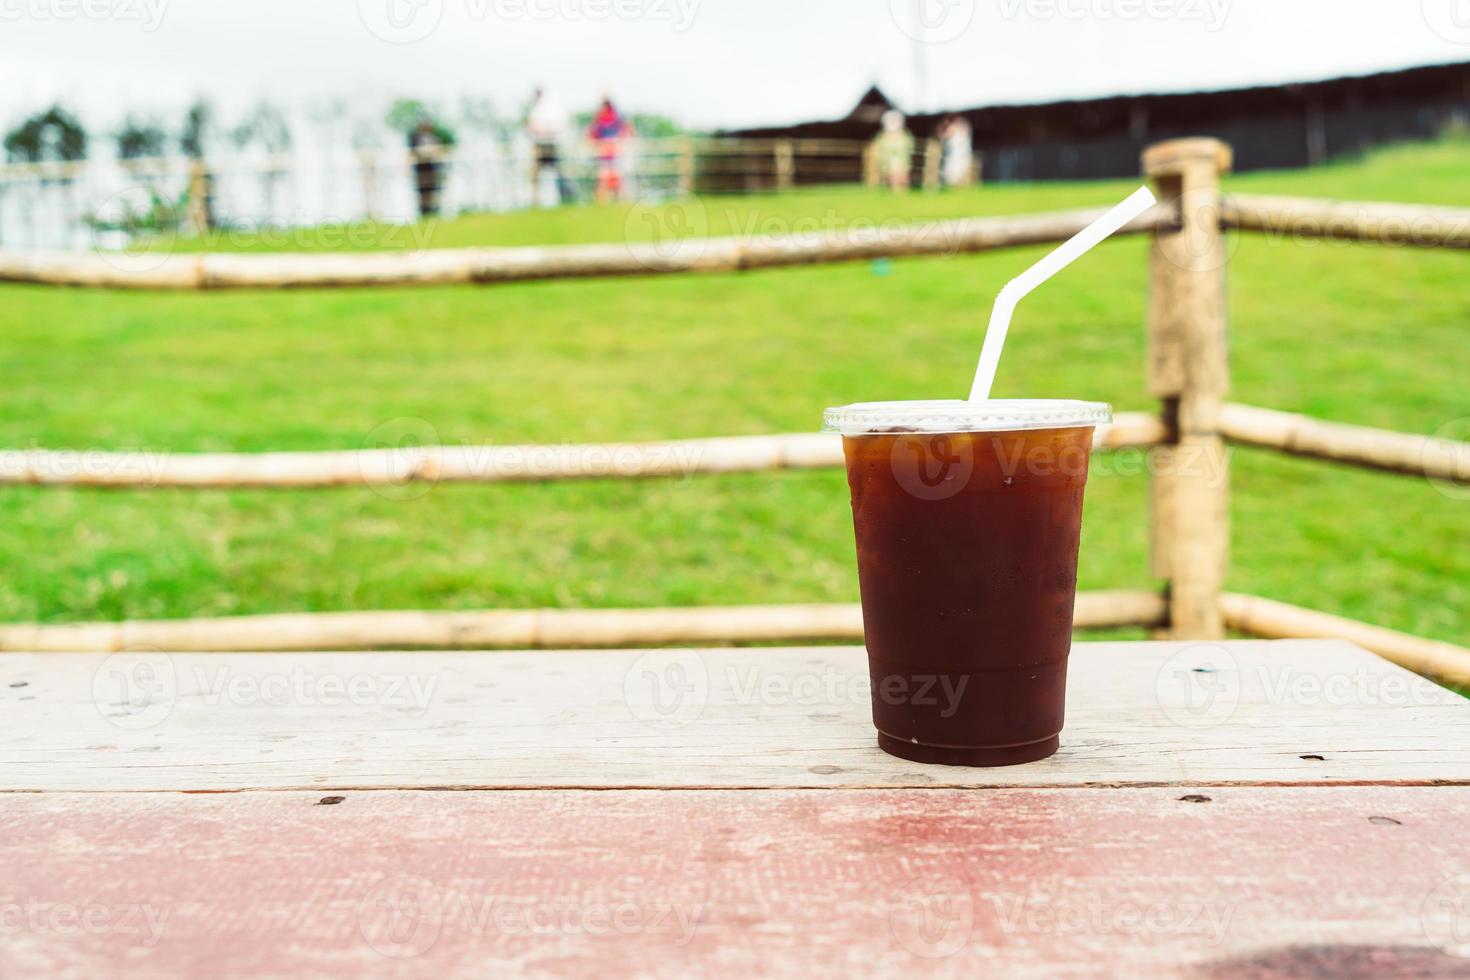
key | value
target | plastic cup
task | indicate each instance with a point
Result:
(968, 517)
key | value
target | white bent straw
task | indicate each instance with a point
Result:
(1064, 255)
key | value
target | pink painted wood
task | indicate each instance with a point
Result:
(1233, 881)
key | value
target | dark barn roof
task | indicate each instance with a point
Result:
(1270, 125)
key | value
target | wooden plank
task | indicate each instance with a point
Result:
(1139, 714)
(1340, 881)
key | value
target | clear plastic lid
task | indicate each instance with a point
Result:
(996, 415)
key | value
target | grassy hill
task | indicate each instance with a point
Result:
(1355, 333)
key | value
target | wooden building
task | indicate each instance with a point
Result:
(1270, 127)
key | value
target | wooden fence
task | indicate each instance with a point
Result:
(1187, 370)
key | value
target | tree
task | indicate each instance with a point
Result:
(52, 135)
(266, 126)
(406, 114)
(139, 138)
(198, 127)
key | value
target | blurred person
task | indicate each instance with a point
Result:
(957, 166)
(895, 150)
(546, 123)
(608, 131)
(426, 147)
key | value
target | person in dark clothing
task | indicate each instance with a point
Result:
(427, 150)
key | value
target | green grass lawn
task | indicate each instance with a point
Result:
(1355, 333)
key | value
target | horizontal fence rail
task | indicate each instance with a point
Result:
(469, 464)
(1256, 616)
(218, 270)
(1364, 221)
(511, 628)
(1301, 435)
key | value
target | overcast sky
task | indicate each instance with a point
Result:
(708, 63)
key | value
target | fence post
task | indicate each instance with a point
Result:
(785, 165)
(933, 160)
(1189, 371)
(685, 166)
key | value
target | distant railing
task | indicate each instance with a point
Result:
(106, 202)
(1187, 369)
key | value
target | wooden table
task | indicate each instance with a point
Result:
(1248, 808)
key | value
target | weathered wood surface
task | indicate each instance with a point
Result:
(1188, 369)
(510, 628)
(1284, 712)
(1359, 445)
(1216, 882)
(1366, 221)
(470, 464)
(223, 270)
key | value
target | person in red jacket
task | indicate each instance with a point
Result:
(607, 132)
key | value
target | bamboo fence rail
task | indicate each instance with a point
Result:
(469, 464)
(510, 628)
(216, 270)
